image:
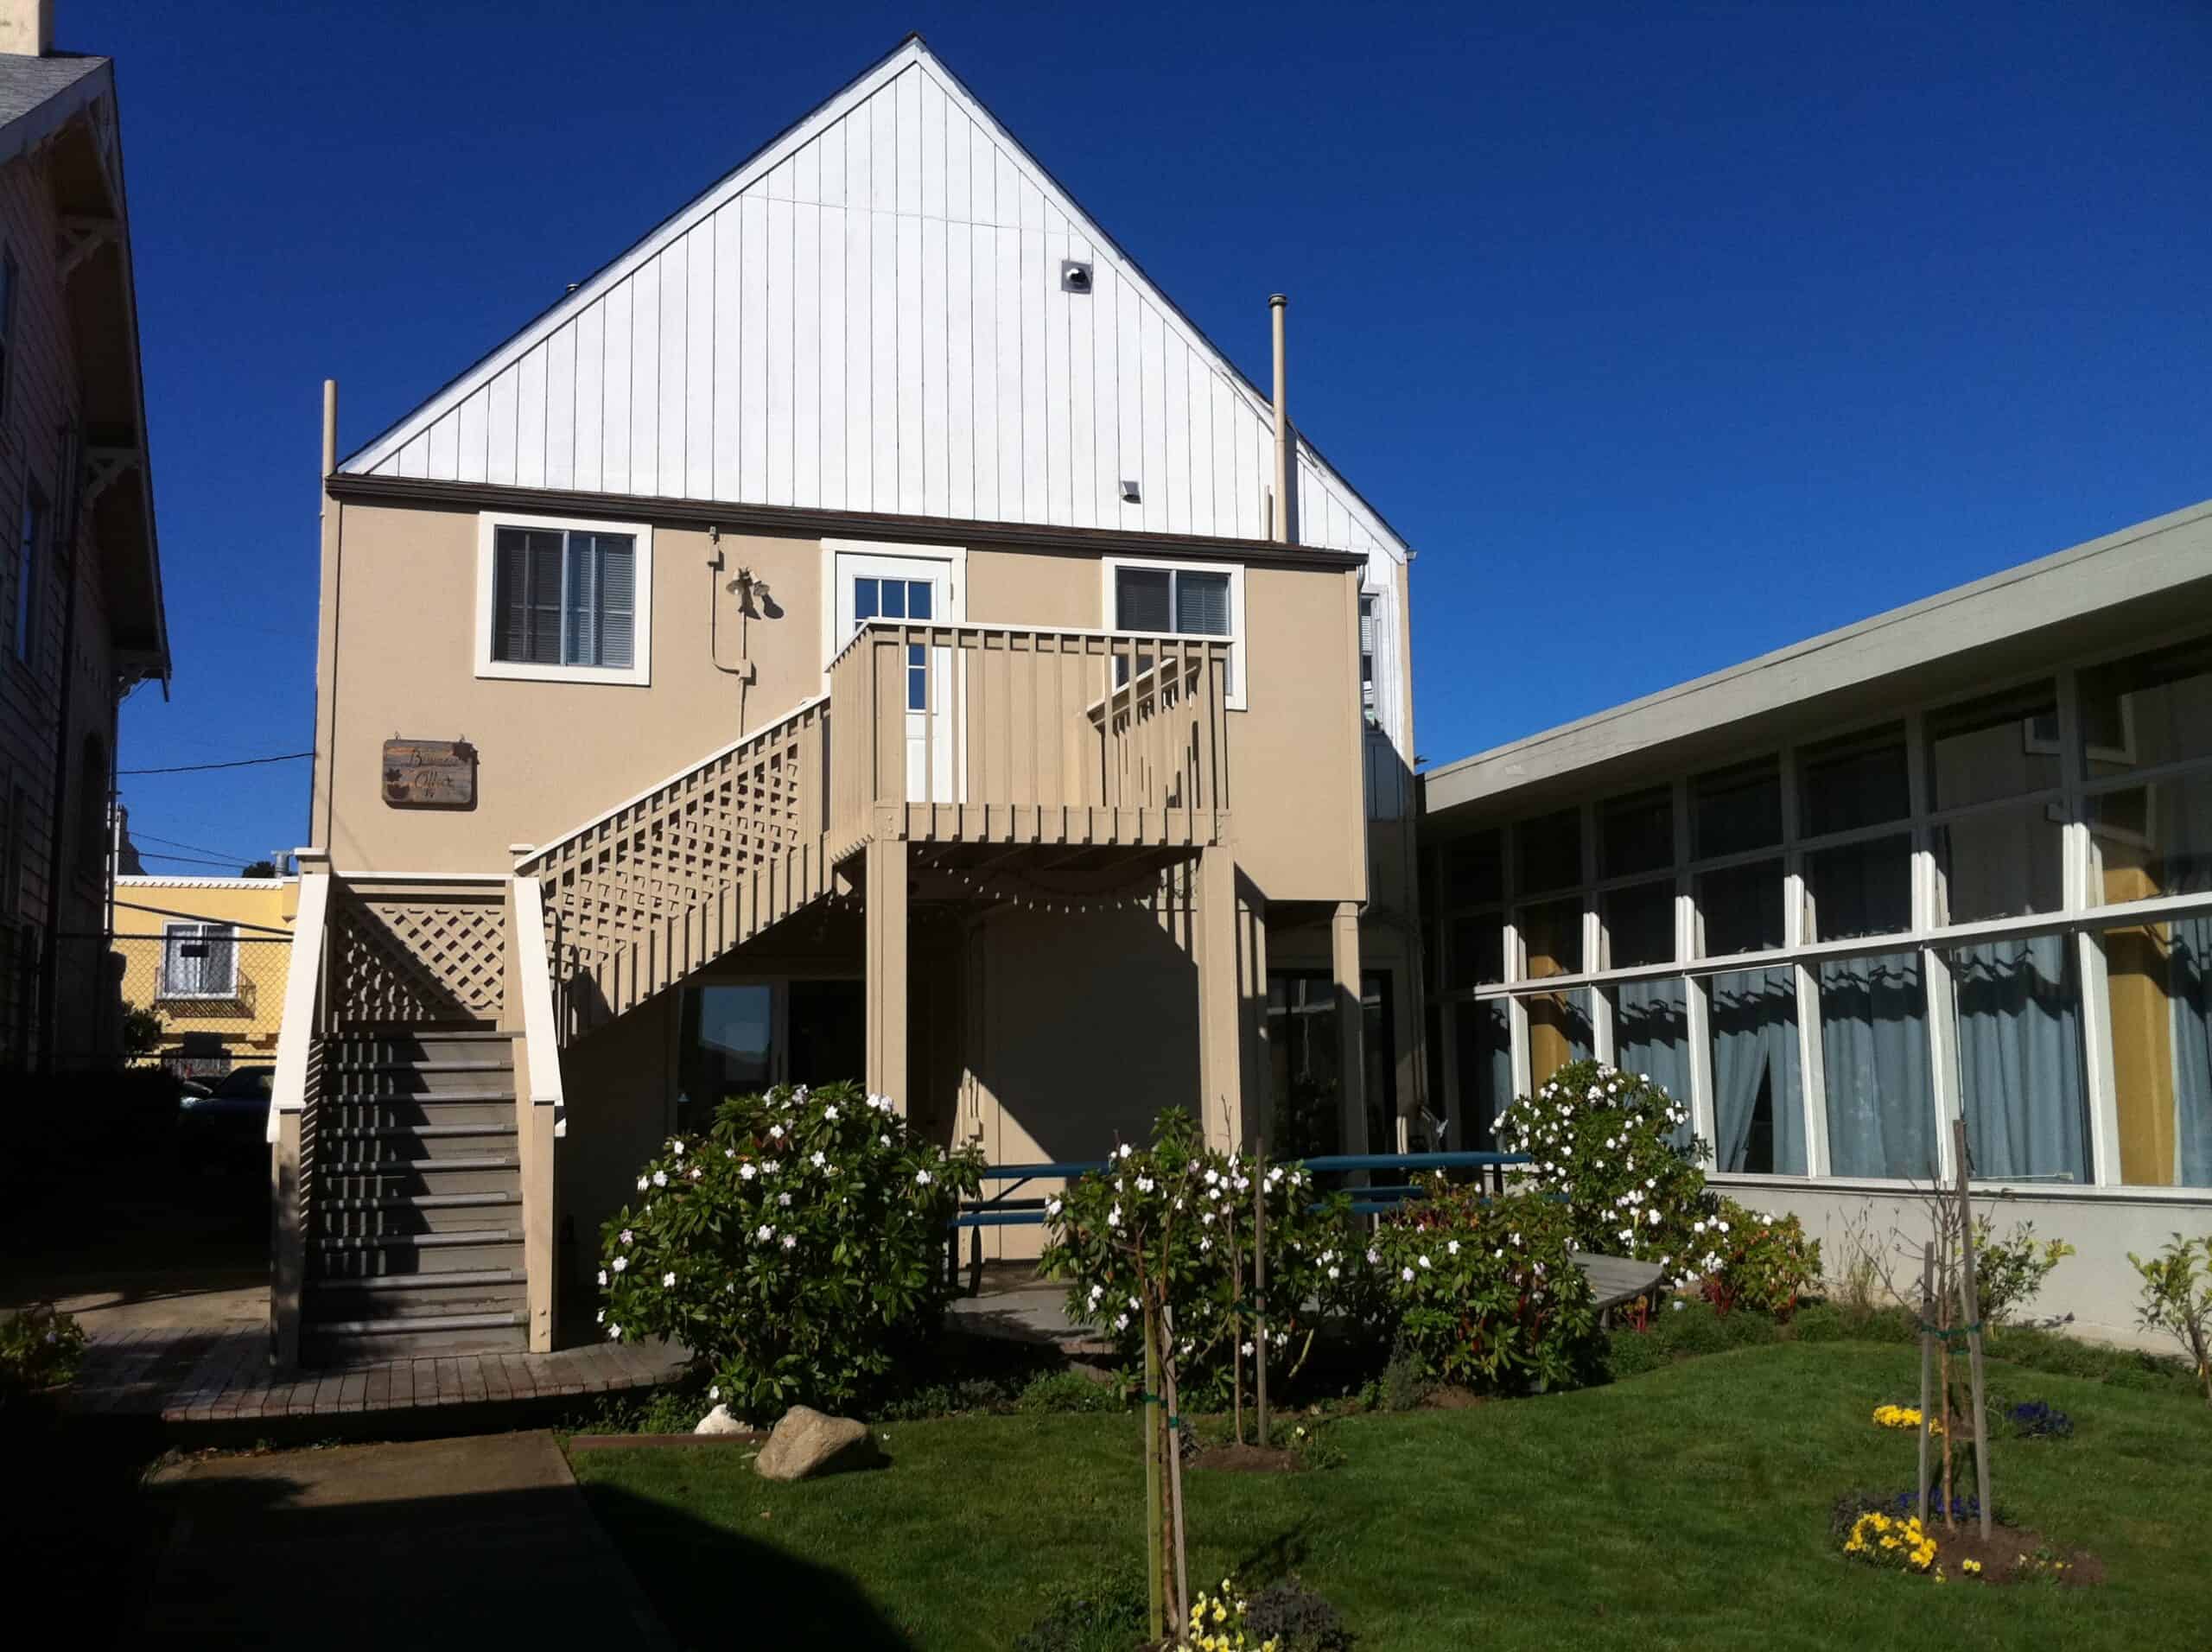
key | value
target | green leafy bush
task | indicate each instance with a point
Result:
(2178, 1299)
(1197, 1203)
(2008, 1272)
(41, 1348)
(1604, 1142)
(797, 1248)
(1486, 1292)
(1754, 1260)
(1069, 1393)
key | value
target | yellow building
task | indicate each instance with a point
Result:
(208, 957)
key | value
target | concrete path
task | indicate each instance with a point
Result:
(445, 1542)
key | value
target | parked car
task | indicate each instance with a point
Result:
(227, 1128)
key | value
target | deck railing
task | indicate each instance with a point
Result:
(1013, 733)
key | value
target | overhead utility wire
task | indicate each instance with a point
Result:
(238, 763)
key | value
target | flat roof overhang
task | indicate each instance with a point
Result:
(2143, 584)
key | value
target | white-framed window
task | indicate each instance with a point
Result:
(200, 960)
(1162, 599)
(563, 600)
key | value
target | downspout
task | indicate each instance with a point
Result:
(1279, 525)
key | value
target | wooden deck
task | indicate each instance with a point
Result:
(222, 1375)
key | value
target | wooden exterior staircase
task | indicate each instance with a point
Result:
(414, 1213)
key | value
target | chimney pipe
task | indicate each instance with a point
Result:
(27, 27)
(1279, 527)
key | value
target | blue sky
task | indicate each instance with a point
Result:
(1670, 334)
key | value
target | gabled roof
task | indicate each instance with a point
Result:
(868, 314)
(68, 104)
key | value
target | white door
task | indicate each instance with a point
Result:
(914, 588)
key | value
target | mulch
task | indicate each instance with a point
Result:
(2000, 1556)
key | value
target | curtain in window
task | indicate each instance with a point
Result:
(1758, 1114)
(1651, 1036)
(1486, 1070)
(1874, 1052)
(198, 960)
(2191, 980)
(2020, 1077)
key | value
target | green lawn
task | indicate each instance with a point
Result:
(1684, 1508)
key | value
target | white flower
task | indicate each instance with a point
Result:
(1453, 1248)
(1374, 1256)
(602, 1276)
(696, 1172)
(1113, 1217)
(715, 1392)
(1627, 1234)
(790, 1240)
(1097, 1291)
(1333, 1272)
(830, 1112)
(1144, 1184)
(1424, 1262)
(1126, 1150)
(1406, 1274)
(883, 1140)
(1678, 1305)
(1052, 1207)
(1654, 1215)
(776, 1134)
(784, 1200)
(602, 1316)
(1120, 1322)
(748, 1170)
(765, 1232)
(668, 1279)
(819, 1158)
(1513, 1239)
(921, 1178)
(1247, 1348)
(614, 1333)
(768, 1166)
(1204, 1245)
(642, 1183)
(679, 1149)
(620, 1263)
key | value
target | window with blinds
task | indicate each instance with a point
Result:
(1171, 602)
(564, 597)
(1367, 660)
(200, 960)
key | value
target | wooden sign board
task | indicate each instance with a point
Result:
(430, 774)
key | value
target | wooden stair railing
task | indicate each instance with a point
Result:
(641, 896)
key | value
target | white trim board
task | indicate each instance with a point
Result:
(866, 314)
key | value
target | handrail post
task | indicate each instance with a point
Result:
(289, 1128)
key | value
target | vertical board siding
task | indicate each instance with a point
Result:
(870, 318)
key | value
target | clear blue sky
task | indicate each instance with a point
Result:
(1670, 334)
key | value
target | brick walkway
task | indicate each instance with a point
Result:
(222, 1375)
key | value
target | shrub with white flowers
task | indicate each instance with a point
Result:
(797, 1248)
(1753, 1258)
(1604, 1142)
(1486, 1292)
(1196, 1205)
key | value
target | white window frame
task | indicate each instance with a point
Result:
(836, 553)
(1239, 662)
(638, 674)
(172, 933)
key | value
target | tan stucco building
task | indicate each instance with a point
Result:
(866, 631)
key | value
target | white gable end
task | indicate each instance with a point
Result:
(868, 316)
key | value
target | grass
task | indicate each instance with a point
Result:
(1686, 1507)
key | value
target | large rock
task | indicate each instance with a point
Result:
(807, 1443)
(719, 1421)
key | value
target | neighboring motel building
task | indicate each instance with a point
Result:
(864, 631)
(1954, 861)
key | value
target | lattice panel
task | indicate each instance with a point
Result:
(684, 842)
(406, 960)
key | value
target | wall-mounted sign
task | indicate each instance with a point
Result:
(430, 774)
